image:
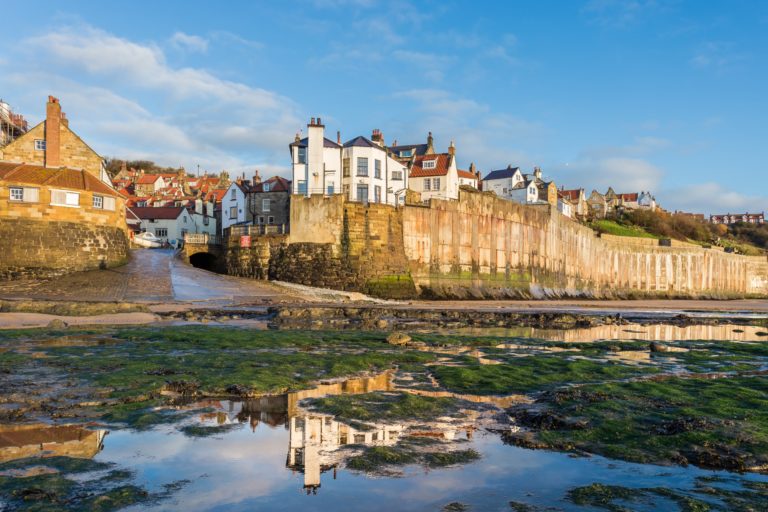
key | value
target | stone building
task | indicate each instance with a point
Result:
(58, 210)
(51, 143)
(53, 221)
(269, 204)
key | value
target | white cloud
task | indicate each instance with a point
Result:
(711, 198)
(620, 13)
(716, 55)
(188, 42)
(481, 135)
(127, 101)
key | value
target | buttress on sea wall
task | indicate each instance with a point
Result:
(483, 247)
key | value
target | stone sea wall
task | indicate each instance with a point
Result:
(484, 247)
(44, 248)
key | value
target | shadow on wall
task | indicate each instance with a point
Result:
(204, 260)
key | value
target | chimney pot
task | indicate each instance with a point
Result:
(312, 121)
(338, 137)
(319, 121)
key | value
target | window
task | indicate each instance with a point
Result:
(397, 175)
(362, 193)
(17, 194)
(436, 183)
(233, 195)
(427, 183)
(406, 153)
(63, 198)
(233, 212)
(345, 167)
(377, 194)
(265, 205)
(161, 232)
(429, 164)
(330, 189)
(362, 166)
(31, 195)
(302, 187)
(205, 221)
(261, 220)
(39, 145)
(98, 202)
(185, 219)
(270, 220)
(302, 155)
(377, 169)
(265, 188)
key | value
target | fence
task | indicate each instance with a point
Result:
(257, 229)
(202, 238)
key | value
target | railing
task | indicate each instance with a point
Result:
(257, 229)
(202, 239)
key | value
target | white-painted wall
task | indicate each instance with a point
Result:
(176, 227)
(227, 202)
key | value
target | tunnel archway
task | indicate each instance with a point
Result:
(205, 261)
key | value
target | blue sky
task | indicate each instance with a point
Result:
(637, 94)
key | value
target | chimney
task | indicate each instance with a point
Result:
(311, 121)
(256, 177)
(338, 137)
(64, 119)
(430, 147)
(377, 137)
(52, 133)
(452, 149)
(537, 172)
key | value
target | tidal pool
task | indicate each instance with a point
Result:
(210, 418)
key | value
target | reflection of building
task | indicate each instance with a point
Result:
(21, 441)
(313, 439)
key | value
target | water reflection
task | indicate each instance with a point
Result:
(39, 440)
(629, 332)
(317, 442)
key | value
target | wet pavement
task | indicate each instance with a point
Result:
(152, 275)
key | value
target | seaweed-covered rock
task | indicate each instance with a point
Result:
(398, 338)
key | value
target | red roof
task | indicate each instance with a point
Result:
(276, 184)
(216, 194)
(632, 198)
(148, 179)
(62, 177)
(163, 213)
(571, 195)
(466, 175)
(442, 163)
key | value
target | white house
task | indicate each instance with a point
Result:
(564, 205)
(502, 181)
(435, 175)
(511, 184)
(469, 178)
(203, 217)
(234, 206)
(166, 223)
(362, 169)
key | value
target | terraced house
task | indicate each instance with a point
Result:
(58, 209)
(361, 169)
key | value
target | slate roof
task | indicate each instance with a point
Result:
(441, 167)
(362, 142)
(418, 149)
(501, 174)
(62, 177)
(327, 143)
(161, 213)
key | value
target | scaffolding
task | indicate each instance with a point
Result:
(11, 125)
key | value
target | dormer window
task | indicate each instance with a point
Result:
(406, 153)
(429, 164)
(266, 187)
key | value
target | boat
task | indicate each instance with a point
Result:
(148, 240)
